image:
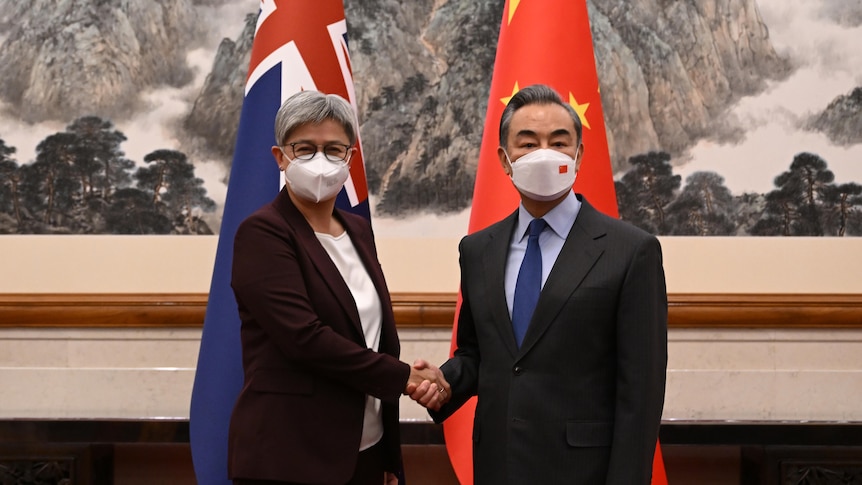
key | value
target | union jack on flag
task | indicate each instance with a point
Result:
(298, 45)
(306, 43)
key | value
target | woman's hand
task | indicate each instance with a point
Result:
(427, 385)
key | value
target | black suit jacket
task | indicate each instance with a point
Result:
(580, 402)
(306, 366)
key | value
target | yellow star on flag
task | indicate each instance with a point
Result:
(581, 109)
(514, 92)
(513, 5)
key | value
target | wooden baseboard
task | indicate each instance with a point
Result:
(424, 310)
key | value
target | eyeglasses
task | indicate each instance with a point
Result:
(334, 152)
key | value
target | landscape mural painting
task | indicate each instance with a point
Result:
(724, 117)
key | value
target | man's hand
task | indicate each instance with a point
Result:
(427, 386)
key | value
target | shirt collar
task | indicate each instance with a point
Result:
(560, 219)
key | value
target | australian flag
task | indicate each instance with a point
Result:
(298, 45)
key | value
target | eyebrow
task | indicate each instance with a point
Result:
(328, 142)
(554, 133)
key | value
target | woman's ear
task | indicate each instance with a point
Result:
(280, 159)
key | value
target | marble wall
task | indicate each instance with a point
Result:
(809, 375)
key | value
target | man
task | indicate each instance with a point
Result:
(570, 381)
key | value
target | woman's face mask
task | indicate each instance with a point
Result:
(317, 179)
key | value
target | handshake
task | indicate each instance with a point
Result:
(427, 386)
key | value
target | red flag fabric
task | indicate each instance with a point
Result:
(541, 42)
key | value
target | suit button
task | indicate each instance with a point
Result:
(517, 370)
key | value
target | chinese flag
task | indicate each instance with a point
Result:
(541, 42)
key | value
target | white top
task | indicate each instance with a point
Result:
(346, 259)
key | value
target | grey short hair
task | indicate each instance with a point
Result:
(535, 94)
(314, 107)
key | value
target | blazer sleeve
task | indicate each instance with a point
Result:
(270, 285)
(641, 365)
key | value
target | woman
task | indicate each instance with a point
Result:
(322, 377)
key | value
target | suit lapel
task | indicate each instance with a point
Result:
(582, 249)
(319, 258)
(363, 242)
(494, 268)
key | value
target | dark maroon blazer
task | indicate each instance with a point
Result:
(306, 365)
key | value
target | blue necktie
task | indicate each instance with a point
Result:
(529, 283)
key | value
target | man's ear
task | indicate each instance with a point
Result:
(579, 157)
(504, 161)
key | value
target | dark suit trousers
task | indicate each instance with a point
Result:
(369, 470)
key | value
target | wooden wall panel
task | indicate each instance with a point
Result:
(425, 310)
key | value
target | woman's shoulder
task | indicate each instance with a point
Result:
(266, 219)
(264, 213)
(354, 222)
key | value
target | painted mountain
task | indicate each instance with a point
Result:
(707, 131)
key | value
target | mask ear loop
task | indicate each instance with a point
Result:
(290, 160)
(509, 170)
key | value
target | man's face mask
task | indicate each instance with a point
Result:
(543, 174)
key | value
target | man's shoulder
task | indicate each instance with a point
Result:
(626, 228)
(594, 218)
(501, 226)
